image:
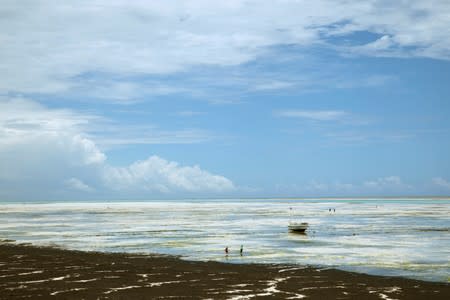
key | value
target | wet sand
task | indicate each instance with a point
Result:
(50, 273)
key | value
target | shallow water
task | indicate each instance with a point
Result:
(409, 238)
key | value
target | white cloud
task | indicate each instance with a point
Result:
(321, 188)
(39, 165)
(38, 144)
(77, 184)
(441, 182)
(157, 174)
(24, 119)
(272, 85)
(45, 154)
(389, 183)
(316, 115)
(344, 187)
(48, 47)
(385, 186)
(316, 186)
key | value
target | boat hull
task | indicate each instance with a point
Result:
(298, 227)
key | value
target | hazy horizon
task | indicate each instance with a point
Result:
(237, 199)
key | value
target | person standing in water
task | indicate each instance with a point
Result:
(242, 250)
(226, 250)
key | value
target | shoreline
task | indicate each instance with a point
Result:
(45, 272)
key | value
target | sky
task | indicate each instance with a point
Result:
(204, 99)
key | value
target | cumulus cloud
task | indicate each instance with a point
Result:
(158, 174)
(45, 152)
(50, 47)
(39, 146)
(77, 184)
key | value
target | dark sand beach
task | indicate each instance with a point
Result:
(49, 273)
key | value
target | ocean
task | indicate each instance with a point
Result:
(401, 237)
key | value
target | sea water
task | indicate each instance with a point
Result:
(409, 238)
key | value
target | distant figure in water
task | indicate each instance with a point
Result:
(226, 250)
(329, 209)
(334, 209)
(242, 250)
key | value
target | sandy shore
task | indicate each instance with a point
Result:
(49, 273)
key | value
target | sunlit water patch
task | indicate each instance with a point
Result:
(408, 238)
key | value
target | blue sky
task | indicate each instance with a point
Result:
(159, 100)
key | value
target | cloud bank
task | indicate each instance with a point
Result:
(389, 185)
(45, 154)
(441, 183)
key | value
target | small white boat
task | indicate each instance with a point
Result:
(298, 227)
